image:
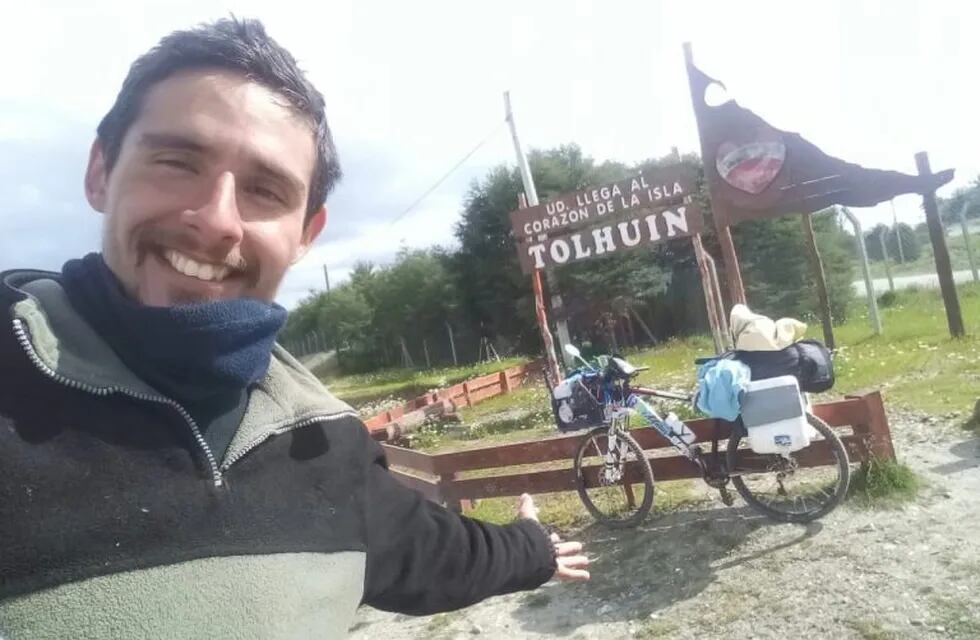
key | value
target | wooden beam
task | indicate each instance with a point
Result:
(415, 460)
(664, 469)
(428, 488)
(816, 264)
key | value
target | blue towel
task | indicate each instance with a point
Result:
(720, 385)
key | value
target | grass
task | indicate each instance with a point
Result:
(957, 616)
(405, 384)
(884, 482)
(530, 397)
(565, 511)
(915, 348)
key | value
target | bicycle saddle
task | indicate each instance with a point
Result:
(625, 368)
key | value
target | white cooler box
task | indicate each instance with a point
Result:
(773, 414)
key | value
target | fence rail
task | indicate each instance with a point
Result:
(463, 394)
(438, 476)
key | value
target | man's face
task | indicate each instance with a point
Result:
(208, 195)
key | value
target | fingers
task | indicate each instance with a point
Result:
(574, 562)
(573, 569)
(578, 575)
(555, 538)
(571, 562)
(568, 548)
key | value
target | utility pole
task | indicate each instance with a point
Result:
(326, 277)
(557, 306)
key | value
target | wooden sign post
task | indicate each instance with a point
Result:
(944, 268)
(598, 221)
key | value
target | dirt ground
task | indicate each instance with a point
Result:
(911, 571)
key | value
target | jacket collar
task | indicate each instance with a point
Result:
(287, 396)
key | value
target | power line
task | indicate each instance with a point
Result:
(438, 182)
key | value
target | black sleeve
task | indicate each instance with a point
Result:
(423, 558)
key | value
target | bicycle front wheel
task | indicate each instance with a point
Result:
(781, 487)
(614, 478)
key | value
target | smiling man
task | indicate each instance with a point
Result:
(167, 470)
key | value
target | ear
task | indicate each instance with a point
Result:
(96, 177)
(311, 230)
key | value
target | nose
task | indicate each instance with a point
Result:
(218, 221)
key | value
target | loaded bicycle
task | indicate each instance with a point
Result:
(763, 456)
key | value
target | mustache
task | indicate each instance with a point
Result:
(150, 238)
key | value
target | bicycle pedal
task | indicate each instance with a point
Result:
(726, 496)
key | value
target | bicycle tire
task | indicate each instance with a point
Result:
(840, 487)
(646, 473)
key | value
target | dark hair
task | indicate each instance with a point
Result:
(236, 45)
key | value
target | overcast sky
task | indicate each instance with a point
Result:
(413, 86)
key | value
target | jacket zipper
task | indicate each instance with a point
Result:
(281, 430)
(216, 470)
(21, 333)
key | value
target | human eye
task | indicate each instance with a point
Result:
(266, 193)
(177, 163)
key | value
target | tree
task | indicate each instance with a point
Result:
(344, 315)
(949, 208)
(303, 320)
(777, 275)
(911, 244)
(495, 295)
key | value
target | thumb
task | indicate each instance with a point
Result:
(526, 508)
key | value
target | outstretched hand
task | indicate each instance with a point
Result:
(571, 561)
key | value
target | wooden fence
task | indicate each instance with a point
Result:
(451, 398)
(438, 476)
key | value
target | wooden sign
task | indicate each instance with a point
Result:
(755, 170)
(637, 211)
(639, 228)
(595, 205)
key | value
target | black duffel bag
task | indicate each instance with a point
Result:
(808, 360)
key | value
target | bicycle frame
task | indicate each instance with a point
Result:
(616, 397)
(715, 474)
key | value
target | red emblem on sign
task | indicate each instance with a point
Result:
(752, 166)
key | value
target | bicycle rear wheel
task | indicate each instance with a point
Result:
(616, 486)
(783, 489)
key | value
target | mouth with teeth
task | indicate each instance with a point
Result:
(204, 271)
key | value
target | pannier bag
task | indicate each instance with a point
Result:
(574, 405)
(774, 417)
(808, 361)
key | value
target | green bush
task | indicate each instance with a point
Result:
(887, 299)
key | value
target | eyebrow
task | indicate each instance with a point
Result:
(264, 166)
(170, 141)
